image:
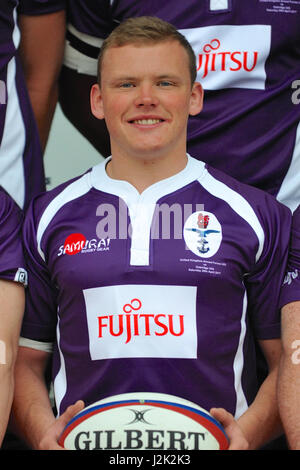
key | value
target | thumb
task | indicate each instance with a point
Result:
(223, 416)
(70, 412)
(237, 440)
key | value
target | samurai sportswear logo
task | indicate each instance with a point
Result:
(77, 243)
(203, 234)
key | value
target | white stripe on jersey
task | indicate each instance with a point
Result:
(289, 193)
(13, 141)
(16, 36)
(60, 381)
(244, 210)
(76, 60)
(76, 189)
(38, 345)
(238, 365)
(238, 204)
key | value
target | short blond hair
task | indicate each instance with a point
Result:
(146, 30)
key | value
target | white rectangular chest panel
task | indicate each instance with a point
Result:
(231, 56)
(131, 321)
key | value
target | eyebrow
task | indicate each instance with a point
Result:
(169, 77)
(133, 78)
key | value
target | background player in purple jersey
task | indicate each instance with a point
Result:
(248, 64)
(222, 275)
(289, 377)
(39, 26)
(13, 278)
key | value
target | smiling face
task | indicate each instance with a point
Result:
(146, 97)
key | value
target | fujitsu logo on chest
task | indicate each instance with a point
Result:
(133, 322)
(213, 59)
(231, 56)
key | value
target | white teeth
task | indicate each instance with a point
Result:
(147, 121)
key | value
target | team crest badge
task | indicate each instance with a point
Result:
(203, 234)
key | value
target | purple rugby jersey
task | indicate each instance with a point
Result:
(291, 286)
(21, 163)
(248, 63)
(165, 308)
(12, 265)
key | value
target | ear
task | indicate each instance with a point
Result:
(196, 100)
(96, 102)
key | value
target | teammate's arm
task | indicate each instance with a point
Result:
(11, 314)
(32, 411)
(41, 50)
(261, 422)
(289, 374)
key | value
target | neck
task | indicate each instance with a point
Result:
(142, 173)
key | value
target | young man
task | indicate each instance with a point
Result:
(289, 372)
(13, 278)
(131, 301)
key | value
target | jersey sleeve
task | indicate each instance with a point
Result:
(91, 17)
(40, 317)
(40, 7)
(290, 291)
(264, 282)
(12, 263)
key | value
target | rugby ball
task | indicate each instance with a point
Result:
(143, 421)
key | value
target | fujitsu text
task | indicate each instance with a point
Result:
(136, 324)
(222, 61)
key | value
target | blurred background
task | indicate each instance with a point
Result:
(68, 153)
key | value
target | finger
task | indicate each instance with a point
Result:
(237, 440)
(71, 411)
(223, 416)
(64, 419)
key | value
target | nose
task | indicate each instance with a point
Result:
(146, 95)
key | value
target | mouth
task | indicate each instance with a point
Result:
(146, 121)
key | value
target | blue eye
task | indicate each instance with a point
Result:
(126, 85)
(165, 83)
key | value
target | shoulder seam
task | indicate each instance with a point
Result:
(238, 204)
(71, 192)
